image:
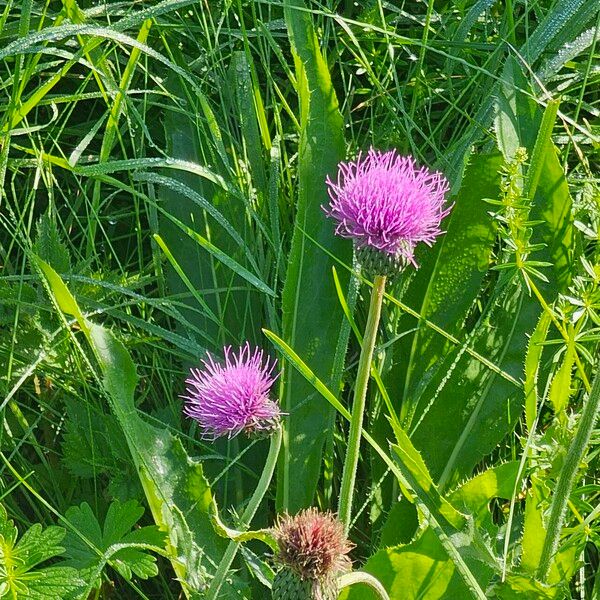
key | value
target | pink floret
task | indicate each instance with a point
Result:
(384, 201)
(226, 399)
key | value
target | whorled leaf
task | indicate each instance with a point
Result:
(22, 577)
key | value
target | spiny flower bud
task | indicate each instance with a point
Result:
(313, 551)
(387, 204)
(288, 585)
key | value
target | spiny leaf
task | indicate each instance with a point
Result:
(94, 445)
(474, 495)
(422, 568)
(49, 245)
(175, 487)
(534, 529)
(416, 473)
(522, 587)
(560, 388)
(532, 365)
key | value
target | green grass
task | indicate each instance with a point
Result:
(167, 160)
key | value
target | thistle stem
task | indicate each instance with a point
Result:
(361, 577)
(248, 515)
(358, 405)
(567, 476)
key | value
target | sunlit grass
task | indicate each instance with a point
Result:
(163, 143)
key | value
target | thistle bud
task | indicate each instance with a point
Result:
(313, 552)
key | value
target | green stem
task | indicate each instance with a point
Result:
(247, 516)
(361, 577)
(510, 20)
(358, 406)
(567, 476)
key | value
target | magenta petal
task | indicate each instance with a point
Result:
(384, 201)
(228, 398)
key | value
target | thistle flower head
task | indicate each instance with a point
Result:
(387, 204)
(233, 396)
(313, 544)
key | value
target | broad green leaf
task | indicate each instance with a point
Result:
(454, 531)
(247, 94)
(258, 567)
(444, 519)
(521, 587)
(422, 568)
(312, 317)
(183, 198)
(464, 546)
(482, 405)
(569, 51)
(322, 389)
(474, 495)
(565, 564)
(175, 487)
(400, 525)
(517, 117)
(418, 570)
(450, 279)
(518, 586)
(209, 241)
(21, 577)
(485, 406)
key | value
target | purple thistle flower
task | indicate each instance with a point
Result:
(387, 204)
(228, 398)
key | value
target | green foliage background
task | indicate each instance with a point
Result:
(163, 167)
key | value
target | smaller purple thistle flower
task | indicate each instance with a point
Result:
(226, 399)
(387, 204)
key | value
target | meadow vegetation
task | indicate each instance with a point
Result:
(163, 169)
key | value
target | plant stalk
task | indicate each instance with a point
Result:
(248, 515)
(567, 476)
(358, 405)
(361, 577)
